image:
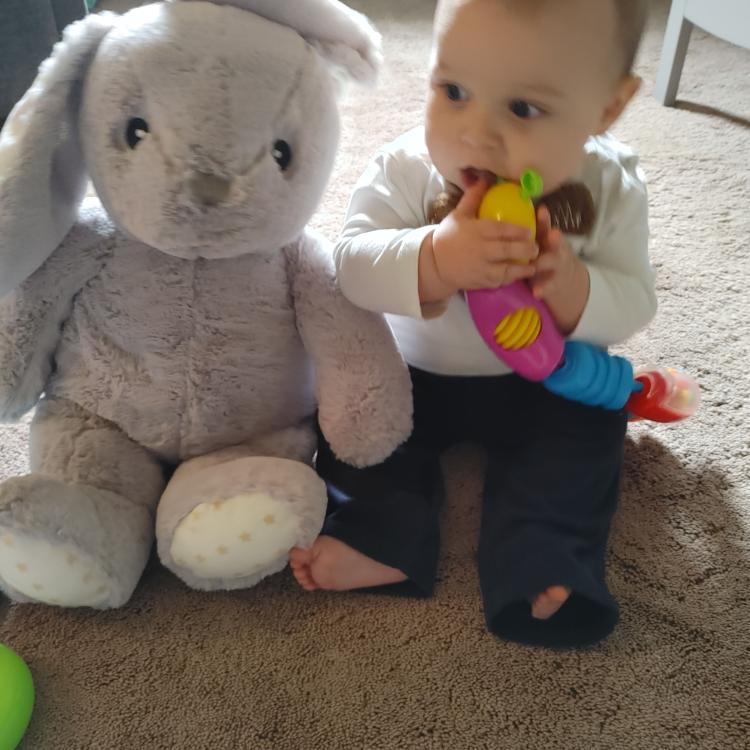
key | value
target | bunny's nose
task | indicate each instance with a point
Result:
(209, 189)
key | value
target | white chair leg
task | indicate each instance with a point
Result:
(676, 39)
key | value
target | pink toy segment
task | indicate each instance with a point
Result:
(518, 329)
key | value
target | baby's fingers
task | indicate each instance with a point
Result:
(490, 229)
(542, 285)
(512, 252)
(543, 221)
(501, 274)
(515, 272)
(550, 240)
(549, 261)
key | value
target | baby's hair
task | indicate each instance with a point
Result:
(631, 15)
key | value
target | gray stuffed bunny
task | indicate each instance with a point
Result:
(172, 330)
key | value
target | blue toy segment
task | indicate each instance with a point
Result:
(593, 377)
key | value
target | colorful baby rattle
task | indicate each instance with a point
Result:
(520, 330)
(16, 698)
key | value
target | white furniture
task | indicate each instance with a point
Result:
(728, 19)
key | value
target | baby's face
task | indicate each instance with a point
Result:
(519, 88)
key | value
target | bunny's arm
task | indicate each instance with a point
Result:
(33, 314)
(363, 385)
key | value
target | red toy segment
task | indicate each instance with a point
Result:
(668, 395)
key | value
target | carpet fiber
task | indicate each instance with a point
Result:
(274, 668)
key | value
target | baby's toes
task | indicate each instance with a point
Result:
(548, 602)
(299, 562)
(299, 557)
(304, 579)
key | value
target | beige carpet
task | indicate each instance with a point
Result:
(274, 668)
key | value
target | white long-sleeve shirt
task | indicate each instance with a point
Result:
(377, 255)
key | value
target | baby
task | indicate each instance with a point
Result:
(515, 85)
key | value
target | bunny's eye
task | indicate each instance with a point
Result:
(136, 131)
(282, 154)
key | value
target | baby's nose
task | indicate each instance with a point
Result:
(482, 139)
(209, 189)
(482, 133)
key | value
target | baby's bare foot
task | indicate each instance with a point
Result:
(544, 605)
(331, 564)
(299, 562)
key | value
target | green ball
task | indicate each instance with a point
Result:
(16, 698)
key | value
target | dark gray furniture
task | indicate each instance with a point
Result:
(28, 29)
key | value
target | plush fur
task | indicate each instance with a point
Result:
(182, 333)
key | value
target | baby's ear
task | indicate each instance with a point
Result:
(341, 35)
(627, 87)
(43, 177)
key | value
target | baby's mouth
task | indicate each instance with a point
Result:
(471, 175)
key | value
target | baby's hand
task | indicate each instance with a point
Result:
(472, 253)
(561, 279)
(557, 265)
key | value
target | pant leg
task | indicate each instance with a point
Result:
(390, 512)
(550, 495)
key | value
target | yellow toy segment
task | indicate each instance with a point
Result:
(506, 202)
(519, 329)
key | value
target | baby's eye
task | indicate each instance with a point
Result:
(455, 92)
(523, 110)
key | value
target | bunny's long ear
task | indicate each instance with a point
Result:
(342, 35)
(42, 173)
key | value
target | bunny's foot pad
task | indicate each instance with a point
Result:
(51, 573)
(237, 537)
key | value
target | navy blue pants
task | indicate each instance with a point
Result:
(551, 489)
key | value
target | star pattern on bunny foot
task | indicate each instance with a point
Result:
(235, 537)
(58, 574)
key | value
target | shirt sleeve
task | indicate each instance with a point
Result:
(622, 296)
(377, 254)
